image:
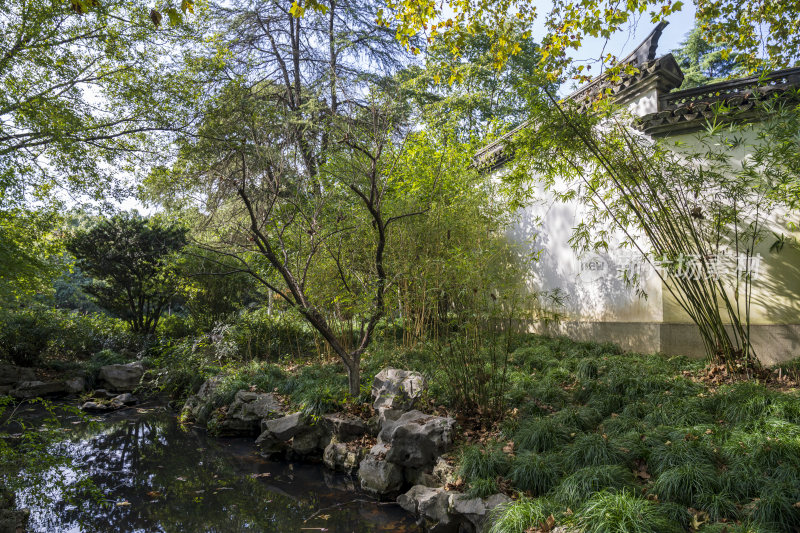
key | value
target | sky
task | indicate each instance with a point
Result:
(624, 42)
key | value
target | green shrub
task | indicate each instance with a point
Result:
(29, 334)
(477, 462)
(541, 434)
(622, 512)
(580, 485)
(685, 483)
(534, 473)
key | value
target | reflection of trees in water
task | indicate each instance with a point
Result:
(198, 484)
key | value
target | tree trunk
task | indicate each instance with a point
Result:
(354, 378)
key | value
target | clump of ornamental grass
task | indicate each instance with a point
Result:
(482, 487)
(685, 483)
(676, 513)
(534, 358)
(541, 434)
(478, 462)
(592, 449)
(619, 425)
(586, 369)
(638, 409)
(743, 403)
(549, 392)
(522, 515)
(559, 375)
(741, 480)
(534, 473)
(772, 454)
(785, 407)
(606, 402)
(623, 512)
(672, 411)
(683, 452)
(580, 485)
(583, 418)
(719, 505)
(776, 507)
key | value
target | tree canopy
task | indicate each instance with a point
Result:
(132, 260)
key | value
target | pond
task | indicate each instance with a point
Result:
(157, 476)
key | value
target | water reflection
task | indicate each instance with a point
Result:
(159, 477)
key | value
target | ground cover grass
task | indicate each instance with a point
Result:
(638, 446)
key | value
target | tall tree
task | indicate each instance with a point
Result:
(132, 260)
(84, 94)
(703, 62)
(293, 162)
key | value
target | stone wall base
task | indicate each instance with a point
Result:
(773, 343)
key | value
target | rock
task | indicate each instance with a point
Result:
(379, 477)
(243, 417)
(420, 476)
(464, 505)
(344, 427)
(11, 374)
(293, 432)
(270, 447)
(26, 390)
(104, 394)
(125, 399)
(122, 378)
(472, 513)
(285, 427)
(396, 391)
(101, 407)
(198, 406)
(443, 472)
(310, 442)
(341, 458)
(468, 510)
(432, 505)
(417, 439)
(5, 389)
(75, 385)
(496, 499)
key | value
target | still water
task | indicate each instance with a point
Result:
(156, 476)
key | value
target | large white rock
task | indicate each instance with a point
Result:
(417, 439)
(121, 378)
(396, 391)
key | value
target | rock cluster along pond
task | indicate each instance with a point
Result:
(120, 380)
(404, 462)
